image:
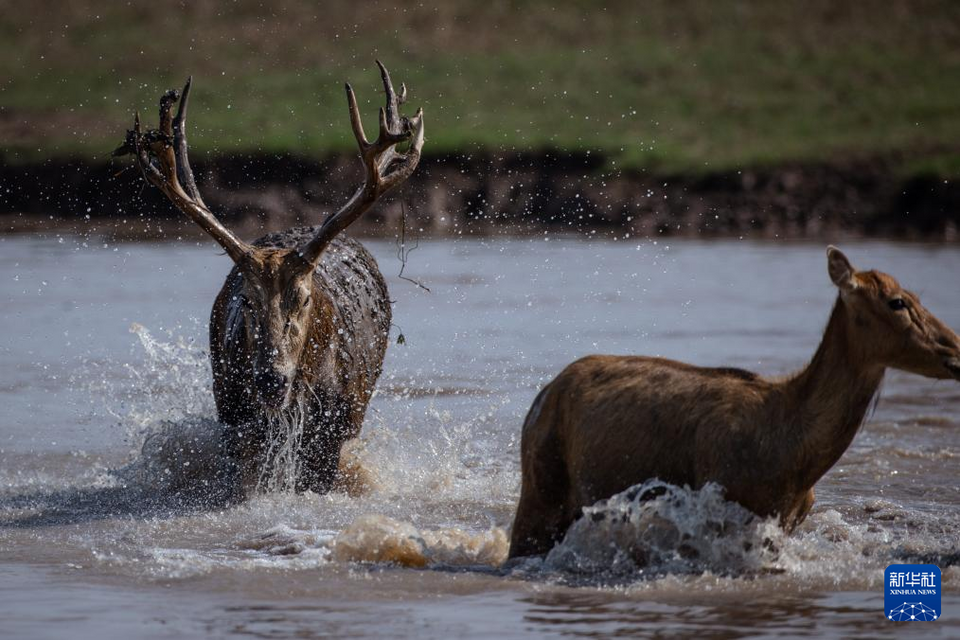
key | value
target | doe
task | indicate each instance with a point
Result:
(606, 423)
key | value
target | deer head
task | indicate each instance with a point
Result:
(277, 312)
(889, 326)
(278, 308)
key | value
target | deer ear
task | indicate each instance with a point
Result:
(840, 269)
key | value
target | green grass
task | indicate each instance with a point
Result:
(671, 86)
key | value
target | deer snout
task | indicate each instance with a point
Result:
(948, 347)
(272, 387)
(953, 366)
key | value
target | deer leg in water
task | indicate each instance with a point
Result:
(543, 512)
(241, 447)
(791, 518)
(319, 471)
(321, 457)
(539, 529)
(801, 513)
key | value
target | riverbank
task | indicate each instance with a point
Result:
(483, 194)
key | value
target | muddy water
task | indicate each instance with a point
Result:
(107, 413)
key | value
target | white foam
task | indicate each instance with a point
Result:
(680, 531)
(377, 538)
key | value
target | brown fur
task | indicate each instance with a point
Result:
(609, 422)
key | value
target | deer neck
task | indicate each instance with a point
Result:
(830, 397)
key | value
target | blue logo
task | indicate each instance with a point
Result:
(911, 592)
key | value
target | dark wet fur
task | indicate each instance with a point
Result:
(352, 313)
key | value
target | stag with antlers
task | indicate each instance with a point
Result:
(301, 323)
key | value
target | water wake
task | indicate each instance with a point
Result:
(657, 528)
(375, 538)
(659, 536)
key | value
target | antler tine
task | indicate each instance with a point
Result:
(167, 100)
(355, 122)
(161, 155)
(397, 172)
(162, 148)
(184, 172)
(393, 102)
(384, 167)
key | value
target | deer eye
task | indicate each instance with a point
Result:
(897, 304)
(306, 302)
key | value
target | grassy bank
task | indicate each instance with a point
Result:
(672, 86)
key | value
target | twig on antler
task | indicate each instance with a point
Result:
(401, 339)
(403, 253)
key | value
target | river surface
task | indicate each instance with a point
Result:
(104, 348)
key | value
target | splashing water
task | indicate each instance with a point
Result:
(656, 528)
(168, 409)
(393, 476)
(427, 501)
(658, 536)
(165, 407)
(172, 384)
(180, 457)
(281, 465)
(377, 538)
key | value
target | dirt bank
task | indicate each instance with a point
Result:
(485, 194)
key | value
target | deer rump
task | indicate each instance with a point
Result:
(335, 377)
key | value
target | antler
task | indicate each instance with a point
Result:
(162, 157)
(384, 167)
